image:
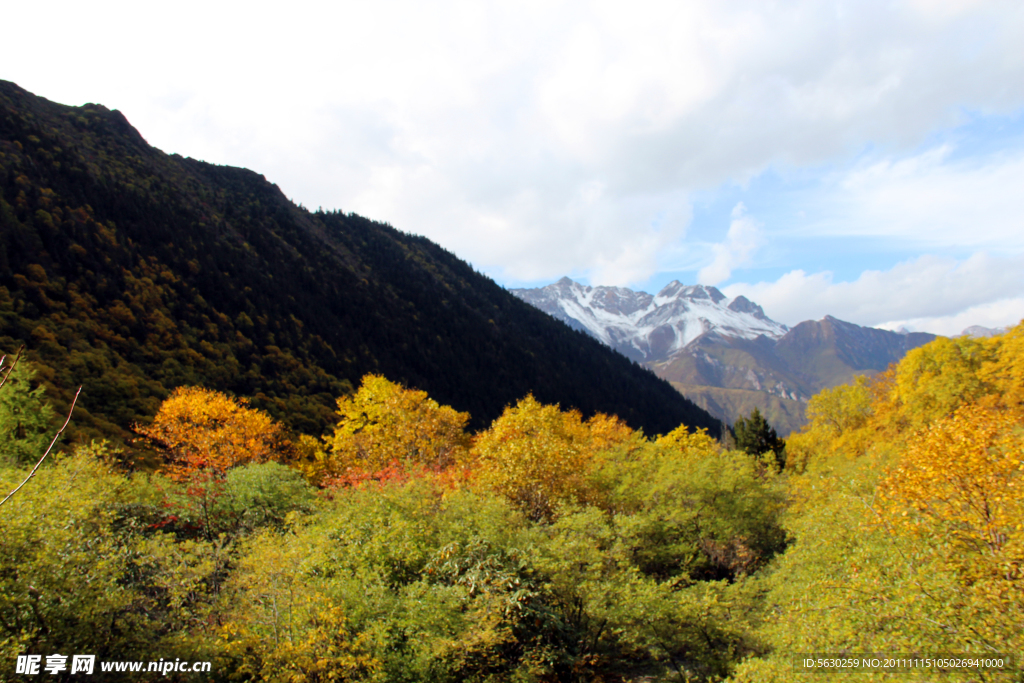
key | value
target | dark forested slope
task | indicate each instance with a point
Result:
(131, 272)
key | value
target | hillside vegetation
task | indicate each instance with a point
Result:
(547, 547)
(907, 513)
(133, 272)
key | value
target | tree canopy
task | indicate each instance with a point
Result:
(205, 430)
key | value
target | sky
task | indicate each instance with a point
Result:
(854, 158)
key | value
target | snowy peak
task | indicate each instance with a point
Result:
(677, 290)
(726, 354)
(742, 304)
(647, 327)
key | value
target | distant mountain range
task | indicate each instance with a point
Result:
(979, 331)
(132, 272)
(650, 328)
(725, 354)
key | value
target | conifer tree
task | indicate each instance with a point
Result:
(758, 438)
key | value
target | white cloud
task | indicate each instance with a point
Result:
(996, 314)
(743, 238)
(929, 200)
(489, 126)
(927, 288)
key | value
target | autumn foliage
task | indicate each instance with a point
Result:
(549, 547)
(538, 456)
(384, 430)
(206, 431)
(907, 502)
(963, 480)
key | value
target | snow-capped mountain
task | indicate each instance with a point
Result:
(977, 331)
(725, 354)
(649, 328)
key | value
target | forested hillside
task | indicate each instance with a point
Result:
(132, 272)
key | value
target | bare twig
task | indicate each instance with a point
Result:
(13, 365)
(55, 437)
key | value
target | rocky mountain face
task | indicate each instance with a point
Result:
(725, 354)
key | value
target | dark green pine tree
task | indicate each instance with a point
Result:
(758, 438)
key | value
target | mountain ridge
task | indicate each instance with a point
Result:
(649, 327)
(131, 272)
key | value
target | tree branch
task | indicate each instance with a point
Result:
(55, 437)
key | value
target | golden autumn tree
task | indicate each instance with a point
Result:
(537, 455)
(385, 424)
(606, 431)
(934, 380)
(279, 625)
(837, 419)
(1004, 370)
(957, 498)
(206, 431)
(963, 479)
(689, 445)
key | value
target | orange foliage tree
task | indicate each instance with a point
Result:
(207, 431)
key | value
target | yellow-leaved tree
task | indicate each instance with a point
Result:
(1003, 370)
(963, 480)
(934, 380)
(206, 431)
(606, 431)
(957, 498)
(689, 445)
(385, 424)
(279, 625)
(538, 456)
(916, 542)
(837, 418)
